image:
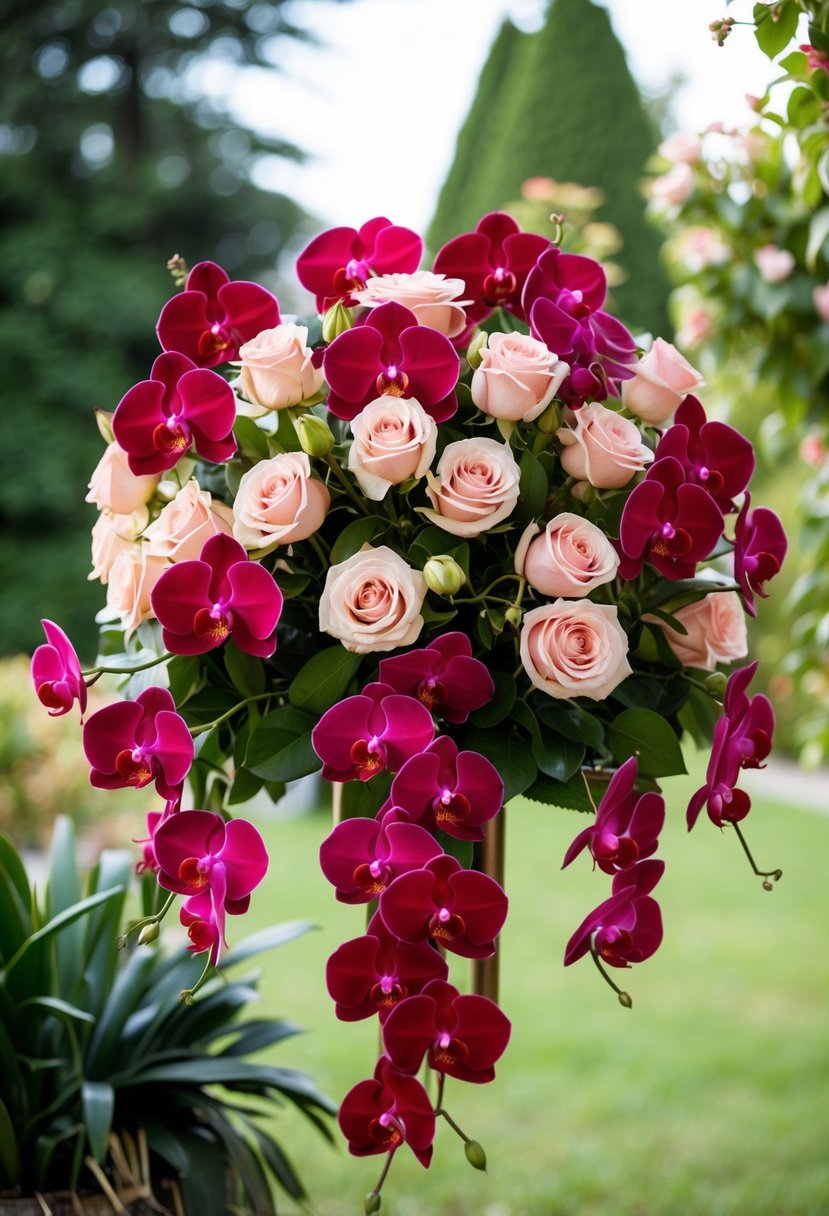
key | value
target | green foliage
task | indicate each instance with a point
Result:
(112, 160)
(561, 103)
(91, 1050)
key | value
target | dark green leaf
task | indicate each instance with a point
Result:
(363, 799)
(461, 850)
(501, 703)
(532, 487)
(280, 748)
(324, 679)
(572, 794)
(183, 673)
(128, 988)
(509, 753)
(61, 1009)
(60, 922)
(279, 1165)
(571, 721)
(98, 1098)
(699, 716)
(255, 1035)
(9, 1156)
(646, 735)
(352, 538)
(246, 671)
(245, 786)
(253, 442)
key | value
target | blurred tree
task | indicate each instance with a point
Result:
(565, 107)
(116, 152)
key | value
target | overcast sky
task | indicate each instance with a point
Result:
(379, 105)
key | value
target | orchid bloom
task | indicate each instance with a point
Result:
(213, 317)
(669, 522)
(216, 864)
(627, 927)
(375, 730)
(132, 743)
(712, 454)
(181, 406)
(443, 675)
(389, 353)
(627, 825)
(362, 856)
(462, 910)
(56, 673)
(760, 546)
(457, 792)
(373, 973)
(460, 1035)
(379, 1115)
(493, 262)
(202, 603)
(342, 260)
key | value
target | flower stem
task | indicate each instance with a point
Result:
(95, 672)
(624, 998)
(201, 730)
(156, 919)
(186, 995)
(774, 875)
(337, 470)
(316, 544)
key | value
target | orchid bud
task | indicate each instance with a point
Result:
(513, 616)
(103, 418)
(372, 1203)
(149, 933)
(475, 1154)
(443, 575)
(476, 348)
(315, 436)
(178, 270)
(715, 684)
(336, 321)
(625, 1000)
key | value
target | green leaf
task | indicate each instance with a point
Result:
(9, 1156)
(98, 1099)
(461, 850)
(532, 487)
(12, 865)
(280, 748)
(279, 1165)
(823, 170)
(64, 890)
(129, 986)
(571, 795)
(699, 716)
(324, 679)
(183, 674)
(571, 721)
(15, 922)
(355, 535)
(68, 917)
(246, 671)
(246, 785)
(509, 753)
(61, 1009)
(775, 26)
(257, 1034)
(646, 735)
(363, 799)
(501, 703)
(253, 442)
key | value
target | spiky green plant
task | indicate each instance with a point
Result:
(106, 1079)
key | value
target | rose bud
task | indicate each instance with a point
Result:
(315, 435)
(443, 575)
(517, 377)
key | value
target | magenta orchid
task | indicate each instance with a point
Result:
(217, 863)
(460, 1035)
(627, 927)
(712, 454)
(373, 973)
(181, 406)
(213, 316)
(627, 825)
(56, 673)
(462, 910)
(760, 546)
(669, 522)
(202, 603)
(375, 730)
(133, 743)
(342, 260)
(379, 1115)
(442, 788)
(493, 262)
(443, 675)
(362, 856)
(390, 353)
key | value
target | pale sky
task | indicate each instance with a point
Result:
(379, 105)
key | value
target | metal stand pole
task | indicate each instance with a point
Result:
(485, 970)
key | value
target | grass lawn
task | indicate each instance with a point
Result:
(709, 1098)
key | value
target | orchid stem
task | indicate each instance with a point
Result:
(95, 672)
(186, 995)
(155, 919)
(200, 730)
(587, 788)
(624, 997)
(439, 1110)
(774, 875)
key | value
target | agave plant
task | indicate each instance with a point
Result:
(107, 1082)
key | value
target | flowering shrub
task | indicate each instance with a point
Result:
(443, 544)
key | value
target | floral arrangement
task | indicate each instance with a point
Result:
(453, 539)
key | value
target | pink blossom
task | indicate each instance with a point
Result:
(213, 317)
(133, 743)
(56, 673)
(378, 729)
(342, 260)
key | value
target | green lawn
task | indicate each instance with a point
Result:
(709, 1098)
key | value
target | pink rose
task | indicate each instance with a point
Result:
(574, 648)
(674, 186)
(112, 535)
(433, 298)
(279, 502)
(112, 487)
(662, 382)
(569, 558)
(372, 601)
(774, 264)
(133, 575)
(394, 439)
(716, 628)
(186, 523)
(682, 146)
(700, 246)
(820, 296)
(277, 371)
(697, 326)
(603, 448)
(517, 379)
(475, 488)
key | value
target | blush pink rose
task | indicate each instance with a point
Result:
(570, 558)
(277, 371)
(602, 448)
(820, 298)
(434, 299)
(716, 631)
(774, 264)
(696, 328)
(278, 502)
(681, 146)
(662, 382)
(674, 186)
(133, 575)
(476, 486)
(394, 439)
(574, 648)
(372, 601)
(518, 377)
(186, 523)
(112, 535)
(112, 487)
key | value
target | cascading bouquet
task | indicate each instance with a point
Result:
(443, 542)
